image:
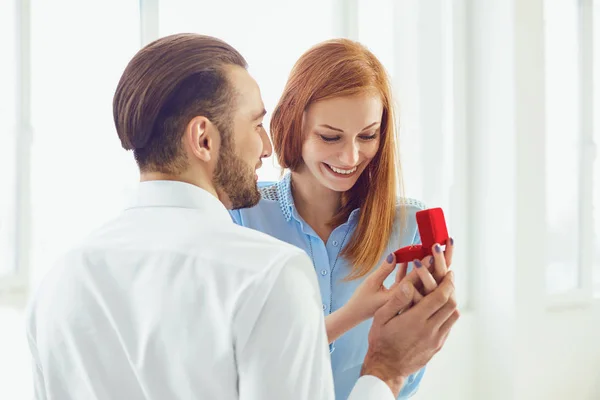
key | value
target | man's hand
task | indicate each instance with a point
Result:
(400, 345)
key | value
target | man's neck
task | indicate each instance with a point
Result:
(184, 177)
(315, 203)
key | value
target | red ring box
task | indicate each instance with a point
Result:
(432, 228)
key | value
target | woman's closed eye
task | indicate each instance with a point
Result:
(335, 138)
(369, 137)
(329, 139)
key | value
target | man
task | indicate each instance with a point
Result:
(172, 300)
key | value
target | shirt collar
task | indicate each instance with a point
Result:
(284, 196)
(286, 200)
(180, 195)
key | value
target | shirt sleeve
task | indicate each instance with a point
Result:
(370, 387)
(39, 386)
(285, 355)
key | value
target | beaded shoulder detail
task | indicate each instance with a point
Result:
(407, 202)
(281, 193)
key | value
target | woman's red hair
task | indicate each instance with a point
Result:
(339, 68)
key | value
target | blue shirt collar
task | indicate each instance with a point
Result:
(286, 200)
(284, 195)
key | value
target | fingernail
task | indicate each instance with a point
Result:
(438, 249)
(390, 258)
(451, 241)
(430, 260)
(418, 263)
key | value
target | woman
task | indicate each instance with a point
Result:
(333, 128)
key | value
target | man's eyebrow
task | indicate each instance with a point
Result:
(259, 115)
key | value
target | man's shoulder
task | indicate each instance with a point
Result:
(255, 261)
(260, 247)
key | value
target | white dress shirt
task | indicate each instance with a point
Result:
(172, 300)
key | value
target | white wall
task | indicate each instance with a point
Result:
(513, 342)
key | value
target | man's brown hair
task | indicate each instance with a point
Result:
(165, 85)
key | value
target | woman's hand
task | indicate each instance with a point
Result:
(428, 272)
(438, 270)
(366, 299)
(371, 293)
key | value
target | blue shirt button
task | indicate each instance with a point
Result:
(324, 272)
(334, 243)
(324, 307)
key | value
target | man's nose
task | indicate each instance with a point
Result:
(267, 146)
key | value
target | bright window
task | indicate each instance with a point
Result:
(81, 176)
(8, 130)
(563, 145)
(596, 142)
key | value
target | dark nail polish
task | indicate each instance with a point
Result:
(438, 249)
(418, 263)
(430, 260)
(451, 242)
(390, 258)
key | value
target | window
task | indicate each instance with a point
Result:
(8, 144)
(596, 141)
(255, 29)
(73, 83)
(563, 145)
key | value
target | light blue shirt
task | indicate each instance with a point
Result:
(276, 215)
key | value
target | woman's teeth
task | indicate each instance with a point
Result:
(342, 171)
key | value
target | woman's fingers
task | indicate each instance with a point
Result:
(429, 283)
(449, 251)
(385, 269)
(417, 297)
(401, 273)
(440, 267)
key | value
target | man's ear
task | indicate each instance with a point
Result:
(200, 138)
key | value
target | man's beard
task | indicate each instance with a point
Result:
(235, 178)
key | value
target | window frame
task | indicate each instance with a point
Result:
(13, 286)
(585, 294)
